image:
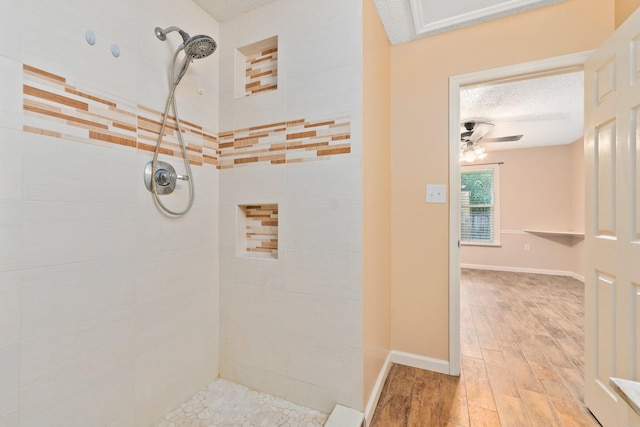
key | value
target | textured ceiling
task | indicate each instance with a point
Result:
(546, 110)
(222, 10)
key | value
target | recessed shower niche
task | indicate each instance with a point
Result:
(258, 231)
(256, 67)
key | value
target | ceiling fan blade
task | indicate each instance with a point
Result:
(503, 138)
(480, 129)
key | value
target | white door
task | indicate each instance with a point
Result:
(612, 276)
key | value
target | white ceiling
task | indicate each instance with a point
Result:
(546, 110)
(223, 10)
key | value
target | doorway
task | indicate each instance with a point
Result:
(566, 63)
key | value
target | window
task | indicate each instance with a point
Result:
(480, 205)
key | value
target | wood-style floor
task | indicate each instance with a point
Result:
(522, 360)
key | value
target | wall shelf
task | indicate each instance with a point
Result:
(556, 233)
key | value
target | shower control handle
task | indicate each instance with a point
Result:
(165, 177)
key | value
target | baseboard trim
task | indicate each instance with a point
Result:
(421, 362)
(377, 390)
(524, 270)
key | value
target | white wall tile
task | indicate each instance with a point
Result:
(92, 402)
(9, 307)
(327, 93)
(328, 227)
(335, 181)
(64, 295)
(88, 230)
(324, 398)
(10, 164)
(325, 320)
(9, 379)
(11, 420)
(158, 394)
(335, 367)
(10, 235)
(317, 45)
(164, 273)
(11, 87)
(164, 319)
(323, 273)
(80, 172)
(11, 29)
(58, 365)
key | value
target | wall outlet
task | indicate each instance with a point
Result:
(527, 247)
(436, 193)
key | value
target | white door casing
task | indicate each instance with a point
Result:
(612, 234)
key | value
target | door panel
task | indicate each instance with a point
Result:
(612, 227)
(605, 332)
(605, 169)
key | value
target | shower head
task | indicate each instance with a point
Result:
(196, 47)
(200, 46)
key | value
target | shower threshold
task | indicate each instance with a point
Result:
(227, 404)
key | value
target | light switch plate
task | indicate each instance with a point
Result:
(436, 193)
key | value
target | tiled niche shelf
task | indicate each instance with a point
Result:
(258, 231)
(257, 68)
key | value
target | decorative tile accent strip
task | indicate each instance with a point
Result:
(261, 224)
(262, 71)
(55, 107)
(285, 142)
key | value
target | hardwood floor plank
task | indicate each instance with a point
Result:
(482, 417)
(426, 405)
(539, 409)
(522, 341)
(457, 412)
(555, 355)
(500, 380)
(511, 411)
(477, 384)
(469, 344)
(521, 372)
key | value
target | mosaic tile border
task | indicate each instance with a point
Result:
(285, 142)
(55, 107)
(261, 229)
(262, 71)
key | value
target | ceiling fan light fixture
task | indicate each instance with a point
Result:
(470, 156)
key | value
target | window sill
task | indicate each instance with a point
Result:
(493, 244)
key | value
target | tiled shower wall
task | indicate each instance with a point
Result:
(292, 326)
(108, 309)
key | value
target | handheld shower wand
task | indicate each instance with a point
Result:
(162, 180)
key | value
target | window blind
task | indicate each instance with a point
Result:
(477, 203)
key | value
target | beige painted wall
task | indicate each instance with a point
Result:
(376, 167)
(541, 189)
(420, 72)
(624, 8)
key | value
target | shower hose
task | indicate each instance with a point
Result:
(171, 102)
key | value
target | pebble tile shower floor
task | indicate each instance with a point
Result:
(226, 404)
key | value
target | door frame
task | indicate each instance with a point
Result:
(510, 72)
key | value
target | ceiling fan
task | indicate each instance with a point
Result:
(475, 130)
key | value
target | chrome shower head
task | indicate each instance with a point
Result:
(200, 46)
